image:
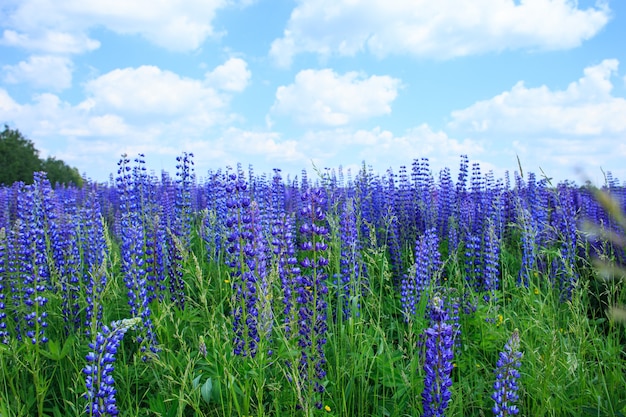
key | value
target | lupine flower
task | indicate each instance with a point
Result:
(288, 268)
(507, 373)
(427, 265)
(66, 259)
(445, 202)
(99, 370)
(491, 264)
(529, 246)
(461, 184)
(352, 270)
(34, 205)
(424, 185)
(4, 334)
(247, 258)
(564, 220)
(405, 207)
(94, 251)
(181, 227)
(438, 366)
(133, 251)
(311, 296)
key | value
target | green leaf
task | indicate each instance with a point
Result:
(67, 346)
(55, 352)
(196, 381)
(53, 347)
(206, 390)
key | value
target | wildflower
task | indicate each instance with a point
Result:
(99, 370)
(327, 408)
(131, 189)
(247, 257)
(505, 388)
(202, 347)
(438, 361)
(4, 334)
(427, 265)
(311, 303)
(352, 270)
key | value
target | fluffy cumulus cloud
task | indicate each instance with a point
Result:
(585, 108)
(564, 129)
(382, 149)
(42, 71)
(49, 25)
(233, 75)
(332, 148)
(161, 111)
(152, 91)
(323, 97)
(148, 94)
(441, 29)
(49, 41)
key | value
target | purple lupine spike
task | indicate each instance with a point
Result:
(4, 333)
(424, 186)
(130, 188)
(445, 202)
(352, 272)
(283, 241)
(66, 259)
(564, 220)
(283, 249)
(311, 293)
(507, 374)
(477, 214)
(439, 354)
(182, 226)
(393, 228)
(491, 264)
(427, 265)
(215, 230)
(461, 183)
(405, 207)
(529, 246)
(99, 369)
(94, 252)
(34, 212)
(247, 258)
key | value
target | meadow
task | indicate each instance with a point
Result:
(407, 293)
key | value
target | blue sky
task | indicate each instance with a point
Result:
(326, 83)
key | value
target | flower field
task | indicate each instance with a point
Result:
(407, 293)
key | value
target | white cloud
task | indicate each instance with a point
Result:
(383, 149)
(50, 41)
(148, 90)
(233, 75)
(441, 29)
(49, 25)
(559, 131)
(265, 144)
(586, 107)
(133, 110)
(8, 106)
(324, 97)
(42, 71)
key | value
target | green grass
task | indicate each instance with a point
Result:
(573, 363)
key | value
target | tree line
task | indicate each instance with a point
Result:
(19, 159)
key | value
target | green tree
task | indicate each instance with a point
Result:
(18, 157)
(59, 172)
